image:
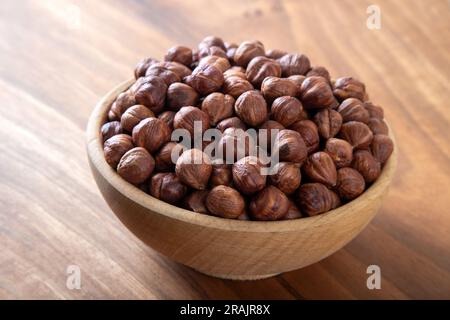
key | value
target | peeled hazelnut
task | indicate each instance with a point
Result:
(350, 183)
(233, 122)
(319, 71)
(352, 109)
(357, 134)
(328, 122)
(293, 212)
(162, 71)
(247, 175)
(211, 41)
(319, 167)
(382, 147)
(220, 63)
(136, 165)
(179, 54)
(316, 93)
(151, 133)
(315, 198)
(348, 87)
(110, 129)
(374, 110)
(181, 95)
(167, 117)
(167, 187)
(235, 144)
(123, 101)
(248, 50)
(366, 165)
(163, 158)
(270, 126)
(269, 204)
(294, 63)
(236, 85)
(273, 87)
(205, 79)
(194, 168)
(309, 132)
(378, 126)
(260, 68)
(218, 106)
(212, 51)
(134, 115)
(251, 108)
(221, 175)
(290, 146)
(275, 53)
(287, 177)
(152, 93)
(196, 201)
(142, 66)
(115, 147)
(340, 151)
(286, 110)
(225, 202)
(186, 117)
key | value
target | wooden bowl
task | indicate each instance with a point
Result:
(231, 249)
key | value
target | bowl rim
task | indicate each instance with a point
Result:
(96, 157)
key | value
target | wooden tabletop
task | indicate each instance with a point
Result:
(58, 58)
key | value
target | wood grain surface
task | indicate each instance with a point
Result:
(57, 58)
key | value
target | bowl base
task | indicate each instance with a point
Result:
(239, 277)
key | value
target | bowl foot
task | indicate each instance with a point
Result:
(239, 277)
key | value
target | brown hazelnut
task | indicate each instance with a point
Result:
(163, 158)
(167, 117)
(290, 146)
(233, 122)
(357, 134)
(194, 168)
(374, 110)
(221, 175)
(196, 201)
(350, 183)
(319, 71)
(167, 187)
(316, 93)
(142, 66)
(352, 109)
(328, 122)
(260, 68)
(275, 53)
(136, 165)
(340, 151)
(273, 87)
(235, 144)
(271, 126)
(248, 50)
(297, 80)
(236, 85)
(220, 63)
(225, 202)
(123, 101)
(211, 41)
(348, 87)
(251, 108)
(315, 198)
(151, 133)
(319, 167)
(286, 110)
(212, 51)
(309, 132)
(269, 204)
(205, 79)
(218, 106)
(152, 93)
(378, 126)
(366, 165)
(382, 147)
(294, 63)
(115, 147)
(179, 54)
(293, 212)
(162, 71)
(287, 177)
(110, 129)
(248, 176)
(181, 95)
(186, 117)
(134, 115)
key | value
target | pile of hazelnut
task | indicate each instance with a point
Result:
(331, 141)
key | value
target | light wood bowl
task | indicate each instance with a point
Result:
(231, 249)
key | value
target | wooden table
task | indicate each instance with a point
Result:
(57, 58)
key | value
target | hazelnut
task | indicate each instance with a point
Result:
(225, 202)
(270, 126)
(186, 117)
(181, 95)
(142, 66)
(110, 129)
(196, 201)
(261, 67)
(374, 110)
(212, 51)
(205, 79)
(319, 71)
(293, 212)
(247, 175)
(309, 132)
(366, 165)
(236, 85)
(348, 87)
(378, 126)
(163, 158)
(162, 71)
(167, 187)
(115, 147)
(235, 144)
(251, 108)
(294, 63)
(211, 41)
(340, 151)
(269, 204)
(357, 134)
(290, 146)
(218, 106)
(123, 101)
(152, 93)
(179, 54)
(315, 198)
(136, 165)
(151, 133)
(248, 50)
(319, 167)
(350, 183)
(273, 87)
(352, 109)
(220, 63)
(275, 53)
(328, 122)
(233, 122)
(287, 177)
(194, 168)
(167, 117)
(221, 175)
(134, 115)
(316, 93)
(382, 147)
(286, 110)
